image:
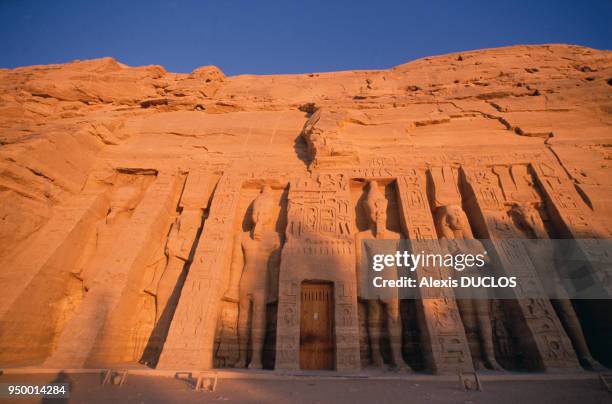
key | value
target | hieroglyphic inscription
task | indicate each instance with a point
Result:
(191, 337)
(178, 254)
(319, 245)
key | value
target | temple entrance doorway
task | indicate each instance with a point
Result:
(317, 325)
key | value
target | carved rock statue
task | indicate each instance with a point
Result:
(542, 254)
(123, 202)
(452, 224)
(260, 249)
(178, 250)
(166, 273)
(375, 207)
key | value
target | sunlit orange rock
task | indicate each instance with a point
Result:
(129, 209)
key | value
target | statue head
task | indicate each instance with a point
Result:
(262, 213)
(527, 219)
(450, 217)
(375, 206)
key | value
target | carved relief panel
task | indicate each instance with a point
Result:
(319, 246)
(167, 269)
(444, 340)
(190, 340)
(452, 225)
(489, 204)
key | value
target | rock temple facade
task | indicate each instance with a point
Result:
(192, 221)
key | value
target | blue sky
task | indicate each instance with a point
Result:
(266, 37)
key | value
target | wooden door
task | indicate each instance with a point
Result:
(316, 326)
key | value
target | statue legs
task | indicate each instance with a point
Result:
(475, 314)
(256, 303)
(483, 317)
(258, 330)
(394, 323)
(374, 332)
(572, 326)
(243, 330)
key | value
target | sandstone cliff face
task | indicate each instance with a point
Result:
(79, 129)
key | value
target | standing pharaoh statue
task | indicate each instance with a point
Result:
(542, 253)
(375, 208)
(259, 250)
(452, 224)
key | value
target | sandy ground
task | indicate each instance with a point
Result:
(87, 388)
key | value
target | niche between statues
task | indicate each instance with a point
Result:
(383, 341)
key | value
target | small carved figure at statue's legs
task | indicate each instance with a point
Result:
(394, 323)
(258, 330)
(374, 331)
(572, 326)
(243, 330)
(483, 317)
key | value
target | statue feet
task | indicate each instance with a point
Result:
(401, 366)
(589, 363)
(492, 364)
(240, 364)
(255, 364)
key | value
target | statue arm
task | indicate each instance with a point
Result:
(358, 268)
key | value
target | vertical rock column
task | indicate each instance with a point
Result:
(190, 340)
(78, 338)
(540, 331)
(443, 336)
